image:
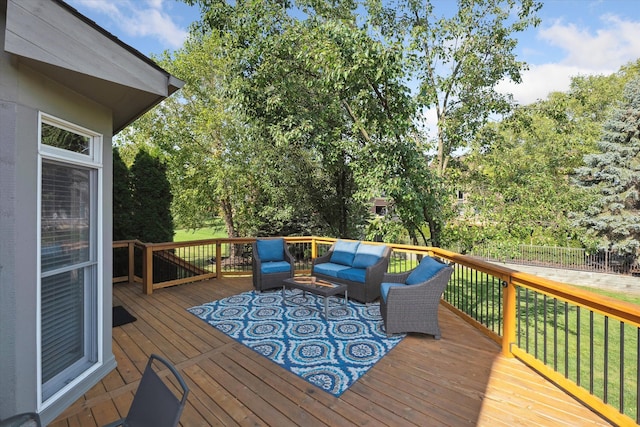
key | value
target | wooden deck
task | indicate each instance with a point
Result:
(460, 380)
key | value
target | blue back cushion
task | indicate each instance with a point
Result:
(367, 255)
(270, 250)
(428, 268)
(344, 252)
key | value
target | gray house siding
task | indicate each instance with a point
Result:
(99, 96)
(18, 241)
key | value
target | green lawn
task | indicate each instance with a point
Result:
(216, 231)
(623, 296)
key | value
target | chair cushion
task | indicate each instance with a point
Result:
(428, 268)
(353, 274)
(344, 252)
(329, 269)
(385, 286)
(367, 255)
(270, 250)
(275, 267)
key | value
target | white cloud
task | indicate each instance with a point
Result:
(616, 42)
(540, 80)
(583, 52)
(141, 19)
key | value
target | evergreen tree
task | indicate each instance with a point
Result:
(151, 199)
(122, 201)
(614, 175)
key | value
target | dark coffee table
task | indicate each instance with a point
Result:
(315, 286)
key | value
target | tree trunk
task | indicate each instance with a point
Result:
(227, 214)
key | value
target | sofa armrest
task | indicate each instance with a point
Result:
(324, 258)
(289, 258)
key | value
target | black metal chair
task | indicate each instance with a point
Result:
(28, 419)
(154, 404)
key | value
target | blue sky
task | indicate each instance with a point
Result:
(576, 37)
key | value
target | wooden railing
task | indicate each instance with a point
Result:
(586, 343)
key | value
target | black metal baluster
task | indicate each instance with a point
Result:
(566, 340)
(591, 352)
(579, 349)
(606, 360)
(637, 375)
(544, 329)
(555, 334)
(621, 367)
(535, 324)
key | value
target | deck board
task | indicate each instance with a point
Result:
(460, 380)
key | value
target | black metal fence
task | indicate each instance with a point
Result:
(558, 257)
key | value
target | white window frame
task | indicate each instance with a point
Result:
(91, 160)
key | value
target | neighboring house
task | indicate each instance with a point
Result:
(379, 206)
(66, 87)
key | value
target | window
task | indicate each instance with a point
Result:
(70, 259)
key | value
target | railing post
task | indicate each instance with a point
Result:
(131, 246)
(509, 321)
(147, 269)
(314, 248)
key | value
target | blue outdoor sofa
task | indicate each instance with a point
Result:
(360, 266)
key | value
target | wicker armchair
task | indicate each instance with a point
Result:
(413, 307)
(272, 263)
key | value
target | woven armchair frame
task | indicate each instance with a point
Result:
(414, 308)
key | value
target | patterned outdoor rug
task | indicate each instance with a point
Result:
(330, 354)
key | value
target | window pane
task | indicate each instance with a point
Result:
(62, 322)
(61, 138)
(66, 207)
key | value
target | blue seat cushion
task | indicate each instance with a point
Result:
(367, 255)
(329, 268)
(275, 267)
(353, 274)
(385, 286)
(344, 252)
(428, 268)
(270, 250)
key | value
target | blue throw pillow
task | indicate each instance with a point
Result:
(270, 250)
(428, 268)
(344, 252)
(367, 255)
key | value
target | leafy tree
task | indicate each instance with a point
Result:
(418, 197)
(152, 199)
(614, 175)
(122, 200)
(321, 94)
(206, 143)
(516, 176)
(458, 60)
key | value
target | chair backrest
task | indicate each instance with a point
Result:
(270, 249)
(154, 404)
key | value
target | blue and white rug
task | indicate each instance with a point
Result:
(330, 354)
